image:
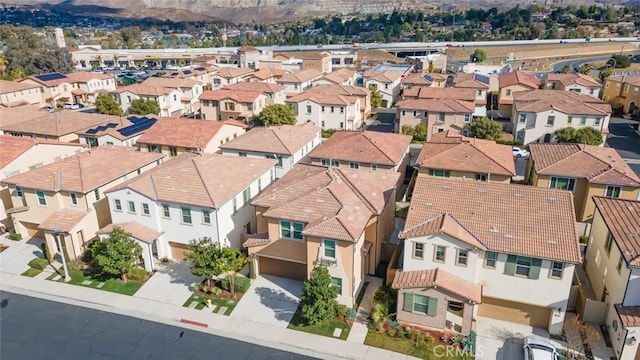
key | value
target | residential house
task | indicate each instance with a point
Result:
(79, 86)
(223, 104)
(538, 114)
(437, 114)
(418, 80)
(460, 94)
(584, 170)
(121, 131)
(299, 81)
(510, 83)
(316, 215)
(343, 58)
(580, 83)
(248, 57)
(623, 92)
(67, 197)
(342, 76)
(275, 93)
(319, 61)
(326, 110)
(449, 154)
(366, 151)
(172, 137)
(15, 94)
(168, 99)
(388, 83)
(479, 84)
(286, 143)
(264, 76)
(189, 90)
(477, 249)
(230, 75)
(190, 197)
(363, 94)
(613, 266)
(200, 73)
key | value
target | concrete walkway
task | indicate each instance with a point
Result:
(360, 326)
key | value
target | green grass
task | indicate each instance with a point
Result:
(406, 346)
(216, 303)
(31, 272)
(110, 284)
(324, 328)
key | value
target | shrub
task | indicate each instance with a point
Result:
(75, 265)
(240, 283)
(509, 142)
(197, 287)
(39, 263)
(341, 310)
(45, 251)
(164, 259)
(15, 236)
(137, 274)
(584, 239)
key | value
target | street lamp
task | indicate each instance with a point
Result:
(57, 232)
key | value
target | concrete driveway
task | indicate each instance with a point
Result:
(15, 259)
(502, 340)
(172, 283)
(270, 299)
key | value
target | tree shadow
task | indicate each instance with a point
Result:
(278, 301)
(512, 349)
(179, 273)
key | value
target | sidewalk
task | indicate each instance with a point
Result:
(360, 327)
(228, 326)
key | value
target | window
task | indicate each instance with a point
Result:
(490, 258)
(583, 120)
(165, 211)
(415, 113)
(562, 183)
(522, 118)
(259, 184)
(608, 243)
(619, 266)
(441, 116)
(418, 250)
(479, 92)
(481, 177)
(551, 120)
(42, 201)
(341, 109)
(556, 269)
(229, 106)
(132, 206)
(291, 230)
(242, 154)
(117, 204)
(374, 167)
(19, 191)
(439, 253)
(329, 248)
(336, 283)
(404, 112)
(322, 108)
(441, 173)
(463, 255)
(597, 121)
(426, 114)
(335, 163)
(420, 303)
(173, 151)
(308, 109)
(246, 195)
(354, 165)
(74, 199)
(341, 125)
(467, 118)
(613, 191)
(279, 164)
(569, 119)
(186, 215)
(96, 193)
(322, 124)
(635, 91)
(235, 204)
(333, 109)
(325, 162)
(523, 266)
(626, 88)
(145, 209)
(206, 217)
(507, 92)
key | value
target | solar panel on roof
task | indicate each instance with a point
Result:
(92, 131)
(187, 72)
(49, 77)
(112, 125)
(482, 78)
(428, 77)
(200, 68)
(141, 125)
(174, 74)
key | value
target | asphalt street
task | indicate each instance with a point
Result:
(625, 140)
(39, 329)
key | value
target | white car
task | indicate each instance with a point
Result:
(539, 348)
(519, 153)
(70, 105)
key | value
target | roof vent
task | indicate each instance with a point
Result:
(307, 210)
(552, 199)
(446, 187)
(552, 242)
(423, 276)
(509, 236)
(319, 200)
(493, 229)
(482, 191)
(517, 194)
(428, 204)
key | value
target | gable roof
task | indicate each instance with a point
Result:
(438, 105)
(255, 86)
(11, 147)
(136, 230)
(247, 48)
(323, 98)
(574, 79)
(473, 81)
(240, 96)
(283, 139)
(86, 171)
(205, 180)
(333, 203)
(364, 146)
(58, 123)
(382, 76)
(183, 132)
(339, 76)
(63, 220)
(142, 89)
(338, 89)
(599, 165)
(300, 76)
(627, 79)
(567, 102)
(7, 86)
(518, 78)
(438, 278)
(263, 74)
(440, 93)
(510, 219)
(174, 83)
(418, 79)
(622, 218)
(232, 72)
(466, 154)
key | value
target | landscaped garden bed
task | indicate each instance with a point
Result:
(222, 306)
(324, 328)
(218, 296)
(86, 278)
(36, 265)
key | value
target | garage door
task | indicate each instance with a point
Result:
(178, 250)
(32, 230)
(282, 268)
(536, 316)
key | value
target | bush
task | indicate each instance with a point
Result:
(75, 265)
(509, 142)
(39, 263)
(15, 236)
(584, 239)
(341, 310)
(45, 250)
(327, 133)
(240, 284)
(137, 274)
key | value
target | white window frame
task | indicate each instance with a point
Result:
(329, 246)
(556, 266)
(418, 250)
(610, 191)
(186, 218)
(42, 198)
(74, 199)
(291, 229)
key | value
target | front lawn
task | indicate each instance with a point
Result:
(424, 350)
(216, 303)
(93, 281)
(31, 272)
(325, 328)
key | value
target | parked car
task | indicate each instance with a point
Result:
(48, 109)
(519, 153)
(538, 348)
(70, 105)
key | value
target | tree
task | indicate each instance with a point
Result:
(620, 61)
(117, 254)
(211, 260)
(566, 135)
(318, 299)
(276, 114)
(566, 69)
(478, 56)
(105, 104)
(485, 128)
(585, 69)
(144, 107)
(604, 73)
(586, 135)
(376, 98)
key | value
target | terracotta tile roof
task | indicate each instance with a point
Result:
(364, 146)
(461, 94)
(173, 83)
(622, 218)
(334, 203)
(438, 279)
(85, 76)
(86, 171)
(448, 136)
(300, 76)
(263, 74)
(247, 48)
(323, 98)
(469, 81)
(454, 106)
(13, 146)
(58, 123)
(140, 89)
(345, 90)
(136, 230)
(11, 116)
(629, 315)
(339, 76)
(63, 220)
(567, 102)
(314, 55)
(283, 139)
(235, 95)
(518, 78)
(121, 122)
(443, 224)
(573, 79)
(233, 72)
(206, 180)
(257, 240)
(599, 165)
(416, 79)
(255, 86)
(626, 79)
(11, 86)
(182, 132)
(382, 76)
(511, 219)
(466, 154)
